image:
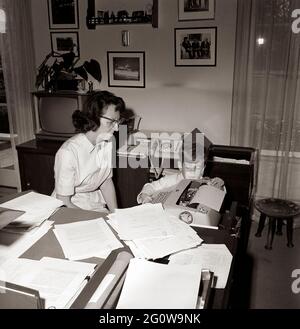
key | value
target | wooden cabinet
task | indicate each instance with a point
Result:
(36, 163)
(128, 184)
(145, 12)
(239, 177)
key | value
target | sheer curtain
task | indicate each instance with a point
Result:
(17, 52)
(266, 96)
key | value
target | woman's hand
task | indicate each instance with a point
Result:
(66, 200)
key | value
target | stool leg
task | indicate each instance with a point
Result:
(261, 225)
(271, 232)
(279, 226)
(289, 232)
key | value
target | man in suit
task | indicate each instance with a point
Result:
(205, 48)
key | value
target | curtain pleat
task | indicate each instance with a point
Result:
(265, 112)
(18, 61)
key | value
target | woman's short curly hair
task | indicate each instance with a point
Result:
(96, 105)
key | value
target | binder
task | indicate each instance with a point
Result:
(207, 278)
(13, 296)
(114, 266)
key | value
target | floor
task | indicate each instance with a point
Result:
(271, 271)
(4, 191)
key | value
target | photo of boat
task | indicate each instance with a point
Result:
(126, 68)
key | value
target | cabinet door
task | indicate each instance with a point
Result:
(128, 184)
(36, 171)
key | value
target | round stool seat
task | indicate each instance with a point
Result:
(277, 210)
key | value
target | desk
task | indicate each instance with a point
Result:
(49, 246)
(36, 162)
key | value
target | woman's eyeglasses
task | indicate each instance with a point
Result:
(113, 121)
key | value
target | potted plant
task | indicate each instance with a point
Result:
(63, 74)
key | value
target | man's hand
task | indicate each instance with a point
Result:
(144, 198)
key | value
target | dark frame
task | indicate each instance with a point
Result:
(131, 73)
(68, 18)
(196, 12)
(198, 54)
(64, 35)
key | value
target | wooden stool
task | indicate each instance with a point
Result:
(277, 210)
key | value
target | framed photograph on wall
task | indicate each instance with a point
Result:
(64, 42)
(126, 69)
(189, 10)
(196, 46)
(63, 14)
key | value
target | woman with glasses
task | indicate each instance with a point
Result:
(83, 164)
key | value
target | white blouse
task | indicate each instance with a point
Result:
(80, 169)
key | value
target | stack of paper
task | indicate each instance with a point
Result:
(85, 239)
(215, 257)
(151, 285)
(57, 280)
(151, 232)
(37, 207)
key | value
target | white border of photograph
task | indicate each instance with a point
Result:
(179, 35)
(184, 15)
(126, 82)
(54, 26)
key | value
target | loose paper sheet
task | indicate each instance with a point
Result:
(85, 239)
(209, 196)
(57, 280)
(151, 285)
(215, 257)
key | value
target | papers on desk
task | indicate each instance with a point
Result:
(90, 238)
(215, 257)
(151, 285)
(57, 280)
(37, 207)
(151, 232)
